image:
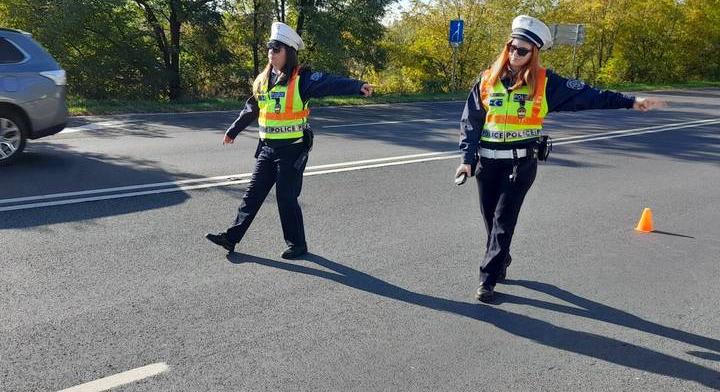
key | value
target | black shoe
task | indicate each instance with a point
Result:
(503, 273)
(485, 294)
(294, 252)
(222, 240)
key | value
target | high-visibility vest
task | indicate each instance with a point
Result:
(282, 112)
(512, 117)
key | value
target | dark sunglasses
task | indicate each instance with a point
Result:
(274, 46)
(522, 52)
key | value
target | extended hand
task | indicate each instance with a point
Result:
(645, 104)
(366, 89)
(463, 169)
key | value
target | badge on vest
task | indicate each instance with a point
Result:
(278, 107)
(521, 112)
(277, 94)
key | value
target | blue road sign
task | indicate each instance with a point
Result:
(456, 31)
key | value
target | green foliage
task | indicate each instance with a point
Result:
(112, 49)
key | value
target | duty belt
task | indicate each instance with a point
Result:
(503, 154)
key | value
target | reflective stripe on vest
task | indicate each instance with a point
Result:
(511, 117)
(282, 112)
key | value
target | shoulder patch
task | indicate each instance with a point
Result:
(575, 84)
(316, 76)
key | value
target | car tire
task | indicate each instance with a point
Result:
(13, 136)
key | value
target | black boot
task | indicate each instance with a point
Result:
(294, 252)
(485, 293)
(222, 240)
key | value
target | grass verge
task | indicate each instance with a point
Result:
(80, 106)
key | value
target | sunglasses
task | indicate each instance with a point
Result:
(276, 47)
(520, 51)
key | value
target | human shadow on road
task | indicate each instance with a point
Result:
(584, 343)
(55, 172)
(594, 310)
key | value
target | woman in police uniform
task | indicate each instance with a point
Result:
(280, 104)
(501, 134)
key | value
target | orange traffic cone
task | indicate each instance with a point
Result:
(645, 224)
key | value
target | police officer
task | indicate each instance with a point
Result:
(280, 104)
(502, 139)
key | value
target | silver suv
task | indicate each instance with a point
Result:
(32, 93)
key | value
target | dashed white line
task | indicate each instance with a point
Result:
(120, 379)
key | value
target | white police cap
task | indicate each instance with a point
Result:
(532, 30)
(285, 34)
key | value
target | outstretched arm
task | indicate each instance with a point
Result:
(315, 84)
(574, 95)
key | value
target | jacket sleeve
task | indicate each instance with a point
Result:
(319, 84)
(249, 114)
(573, 95)
(471, 124)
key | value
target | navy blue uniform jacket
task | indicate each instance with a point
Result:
(561, 94)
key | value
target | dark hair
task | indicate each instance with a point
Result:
(291, 62)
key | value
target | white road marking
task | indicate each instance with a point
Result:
(211, 182)
(120, 379)
(121, 124)
(100, 125)
(430, 120)
(175, 184)
(624, 131)
(241, 105)
(638, 131)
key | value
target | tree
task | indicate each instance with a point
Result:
(166, 18)
(100, 43)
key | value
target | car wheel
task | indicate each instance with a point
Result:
(13, 135)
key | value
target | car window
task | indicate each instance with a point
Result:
(9, 53)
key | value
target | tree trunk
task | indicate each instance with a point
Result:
(303, 4)
(280, 10)
(256, 38)
(175, 20)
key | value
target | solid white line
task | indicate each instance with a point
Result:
(203, 186)
(119, 188)
(312, 171)
(386, 122)
(366, 161)
(241, 105)
(590, 138)
(119, 379)
(121, 124)
(207, 179)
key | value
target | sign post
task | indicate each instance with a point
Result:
(456, 36)
(569, 34)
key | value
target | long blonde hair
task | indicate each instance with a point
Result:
(261, 80)
(528, 75)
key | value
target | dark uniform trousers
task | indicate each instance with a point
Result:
(274, 166)
(500, 202)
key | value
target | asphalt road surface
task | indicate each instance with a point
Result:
(106, 279)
